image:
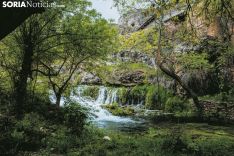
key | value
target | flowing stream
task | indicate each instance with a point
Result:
(102, 117)
(105, 96)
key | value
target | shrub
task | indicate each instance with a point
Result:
(175, 104)
(175, 141)
(29, 132)
(213, 147)
(151, 100)
(138, 93)
(156, 96)
(75, 117)
(59, 141)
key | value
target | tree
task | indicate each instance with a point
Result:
(23, 46)
(161, 46)
(93, 38)
(58, 35)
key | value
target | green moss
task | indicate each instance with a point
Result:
(115, 109)
(91, 91)
(151, 97)
(138, 91)
(175, 104)
(109, 73)
(156, 97)
(122, 95)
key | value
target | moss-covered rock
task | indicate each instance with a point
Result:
(138, 93)
(152, 96)
(126, 74)
(123, 95)
(91, 91)
(115, 109)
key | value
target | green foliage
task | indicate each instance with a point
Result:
(138, 91)
(29, 132)
(165, 140)
(59, 141)
(175, 104)
(173, 141)
(193, 61)
(62, 39)
(221, 97)
(179, 140)
(91, 91)
(122, 95)
(115, 109)
(111, 73)
(138, 41)
(153, 96)
(75, 117)
(212, 147)
(156, 97)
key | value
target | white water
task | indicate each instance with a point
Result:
(103, 118)
(105, 96)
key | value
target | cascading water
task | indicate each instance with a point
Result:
(105, 96)
(103, 118)
(111, 96)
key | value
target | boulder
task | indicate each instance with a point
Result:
(132, 77)
(126, 78)
(89, 78)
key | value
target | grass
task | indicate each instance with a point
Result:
(164, 139)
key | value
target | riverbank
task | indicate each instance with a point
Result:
(165, 139)
(59, 132)
(160, 140)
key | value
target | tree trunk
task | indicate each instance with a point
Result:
(58, 100)
(160, 63)
(174, 76)
(21, 82)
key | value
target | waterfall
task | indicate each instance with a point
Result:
(105, 96)
(111, 96)
(101, 95)
(114, 96)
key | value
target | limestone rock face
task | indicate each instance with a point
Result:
(132, 77)
(89, 78)
(138, 57)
